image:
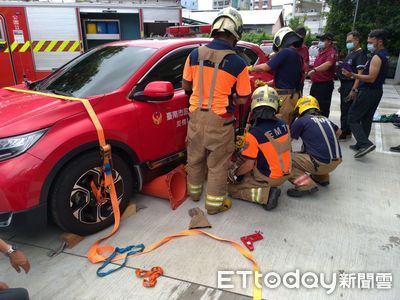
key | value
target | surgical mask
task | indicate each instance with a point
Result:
(321, 44)
(371, 47)
(350, 46)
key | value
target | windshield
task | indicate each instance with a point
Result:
(99, 71)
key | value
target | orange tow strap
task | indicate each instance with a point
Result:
(150, 277)
(96, 252)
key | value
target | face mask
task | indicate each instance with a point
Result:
(350, 46)
(321, 44)
(371, 47)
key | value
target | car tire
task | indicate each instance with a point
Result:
(70, 185)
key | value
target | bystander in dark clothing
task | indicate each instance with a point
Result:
(355, 62)
(370, 92)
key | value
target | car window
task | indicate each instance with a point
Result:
(96, 72)
(169, 68)
(249, 56)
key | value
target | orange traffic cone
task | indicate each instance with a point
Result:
(171, 186)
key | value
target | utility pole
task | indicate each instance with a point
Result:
(355, 15)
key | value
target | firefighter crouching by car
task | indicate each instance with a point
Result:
(287, 65)
(210, 73)
(321, 151)
(265, 159)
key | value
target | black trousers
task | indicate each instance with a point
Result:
(361, 114)
(323, 92)
(345, 89)
(14, 294)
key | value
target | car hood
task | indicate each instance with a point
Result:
(21, 112)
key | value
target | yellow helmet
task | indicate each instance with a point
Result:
(305, 103)
(265, 96)
(285, 37)
(228, 19)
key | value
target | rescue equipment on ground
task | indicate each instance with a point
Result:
(96, 252)
(248, 240)
(199, 220)
(150, 276)
(171, 186)
(130, 250)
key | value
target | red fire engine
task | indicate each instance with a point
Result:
(36, 38)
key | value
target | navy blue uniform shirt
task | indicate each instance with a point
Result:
(307, 129)
(287, 66)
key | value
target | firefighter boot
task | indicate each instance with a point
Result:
(213, 208)
(195, 191)
(273, 197)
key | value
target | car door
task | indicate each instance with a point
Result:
(163, 124)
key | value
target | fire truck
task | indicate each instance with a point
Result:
(36, 38)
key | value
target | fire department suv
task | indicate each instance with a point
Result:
(49, 147)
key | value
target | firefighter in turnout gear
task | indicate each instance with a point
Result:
(287, 66)
(217, 79)
(321, 151)
(265, 160)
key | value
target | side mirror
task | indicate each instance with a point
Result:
(156, 91)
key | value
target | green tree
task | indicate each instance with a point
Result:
(372, 14)
(256, 38)
(295, 22)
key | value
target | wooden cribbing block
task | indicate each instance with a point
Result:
(71, 239)
(129, 211)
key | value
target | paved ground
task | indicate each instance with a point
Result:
(352, 226)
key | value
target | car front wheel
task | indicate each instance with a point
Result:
(73, 204)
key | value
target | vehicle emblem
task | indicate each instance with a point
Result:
(157, 118)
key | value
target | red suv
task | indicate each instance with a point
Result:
(49, 149)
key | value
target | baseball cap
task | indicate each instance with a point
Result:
(326, 36)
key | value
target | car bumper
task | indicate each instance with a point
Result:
(21, 180)
(32, 217)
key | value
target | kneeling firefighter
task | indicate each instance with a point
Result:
(321, 151)
(287, 66)
(217, 79)
(265, 160)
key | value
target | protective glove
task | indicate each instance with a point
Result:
(199, 220)
(239, 142)
(259, 82)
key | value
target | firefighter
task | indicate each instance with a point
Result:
(266, 156)
(321, 151)
(217, 79)
(287, 65)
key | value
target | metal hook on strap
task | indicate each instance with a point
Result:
(150, 277)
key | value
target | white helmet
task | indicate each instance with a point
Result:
(228, 19)
(286, 37)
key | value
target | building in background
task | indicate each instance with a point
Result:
(242, 4)
(268, 21)
(220, 4)
(190, 4)
(261, 4)
(198, 4)
(314, 11)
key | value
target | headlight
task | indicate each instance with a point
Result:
(16, 145)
